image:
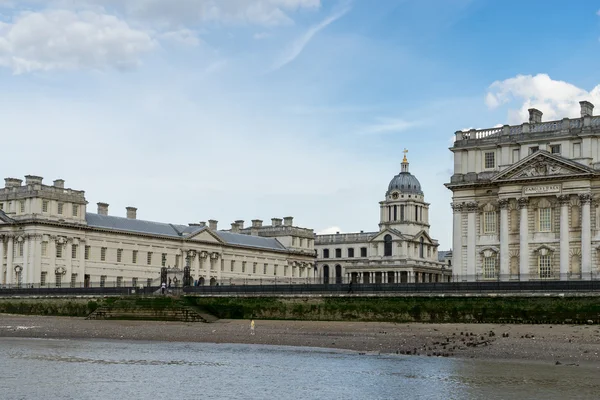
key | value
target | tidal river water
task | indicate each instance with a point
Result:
(94, 369)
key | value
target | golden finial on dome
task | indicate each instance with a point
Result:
(405, 160)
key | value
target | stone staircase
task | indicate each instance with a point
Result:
(183, 314)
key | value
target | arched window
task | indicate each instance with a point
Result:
(421, 247)
(387, 245)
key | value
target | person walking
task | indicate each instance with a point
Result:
(350, 287)
(252, 327)
(163, 286)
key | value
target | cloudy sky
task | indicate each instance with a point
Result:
(244, 109)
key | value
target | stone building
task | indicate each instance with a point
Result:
(47, 237)
(401, 251)
(525, 200)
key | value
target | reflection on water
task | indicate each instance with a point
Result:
(90, 369)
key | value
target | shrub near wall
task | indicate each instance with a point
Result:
(407, 309)
(57, 307)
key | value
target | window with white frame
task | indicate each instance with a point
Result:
(534, 149)
(59, 248)
(75, 209)
(22, 206)
(20, 247)
(44, 249)
(232, 265)
(103, 254)
(86, 252)
(163, 261)
(149, 258)
(254, 268)
(43, 278)
(265, 269)
(489, 267)
(545, 219)
(243, 266)
(545, 266)
(134, 256)
(275, 269)
(119, 281)
(489, 222)
(555, 149)
(45, 206)
(74, 249)
(60, 208)
(73, 280)
(102, 280)
(489, 159)
(119, 255)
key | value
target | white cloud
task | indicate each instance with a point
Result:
(183, 36)
(556, 99)
(66, 40)
(299, 44)
(389, 125)
(329, 231)
(261, 35)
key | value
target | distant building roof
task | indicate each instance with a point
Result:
(443, 254)
(177, 231)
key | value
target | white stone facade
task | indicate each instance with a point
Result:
(525, 200)
(400, 252)
(47, 237)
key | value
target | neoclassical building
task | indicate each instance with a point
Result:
(525, 200)
(47, 237)
(401, 251)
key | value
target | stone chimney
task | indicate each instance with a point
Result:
(535, 116)
(288, 221)
(587, 108)
(12, 182)
(131, 212)
(33, 180)
(212, 224)
(103, 208)
(59, 183)
(240, 223)
(235, 228)
(276, 221)
(202, 223)
(257, 223)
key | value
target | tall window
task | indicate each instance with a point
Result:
(134, 282)
(177, 261)
(73, 280)
(275, 269)
(265, 269)
(325, 253)
(58, 278)
(44, 249)
(545, 219)
(243, 266)
(74, 249)
(338, 253)
(416, 213)
(395, 213)
(515, 155)
(545, 266)
(20, 247)
(489, 222)
(102, 280)
(103, 254)
(363, 251)
(351, 252)
(402, 213)
(134, 256)
(87, 252)
(149, 258)
(387, 245)
(421, 247)
(232, 265)
(254, 268)
(119, 281)
(119, 255)
(45, 206)
(60, 208)
(59, 250)
(163, 260)
(22, 206)
(576, 150)
(75, 209)
(489, 268)
(490, 159)
(43, 278)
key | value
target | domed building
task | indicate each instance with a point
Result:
(400, 252)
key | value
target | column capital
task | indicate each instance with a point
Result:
(503, 204)
(585, 198)
(472, 206)
(457, 207)
(564, 199)
(523, 202)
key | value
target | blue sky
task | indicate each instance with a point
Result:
(244, 109)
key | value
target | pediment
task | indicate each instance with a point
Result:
(541, 165)
(426, 238)
(394, 233)
(204, 235)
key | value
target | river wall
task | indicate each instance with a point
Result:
(382, 309)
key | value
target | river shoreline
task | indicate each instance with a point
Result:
(568, 345)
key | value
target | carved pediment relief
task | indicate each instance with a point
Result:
(542, 165)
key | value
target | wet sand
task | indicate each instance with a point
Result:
(567, 345)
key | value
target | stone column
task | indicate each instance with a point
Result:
(504, 256)
(564, 236)
(457, 263)
(471, 240)
(25, 269)
(69, 261)
(82, 261)
(586, 236)
(2, 276)
(524, 240)
(9, 260)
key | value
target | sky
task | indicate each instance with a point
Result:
(193, 110)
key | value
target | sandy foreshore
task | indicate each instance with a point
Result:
(557, 344)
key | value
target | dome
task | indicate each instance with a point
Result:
(405, 182)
